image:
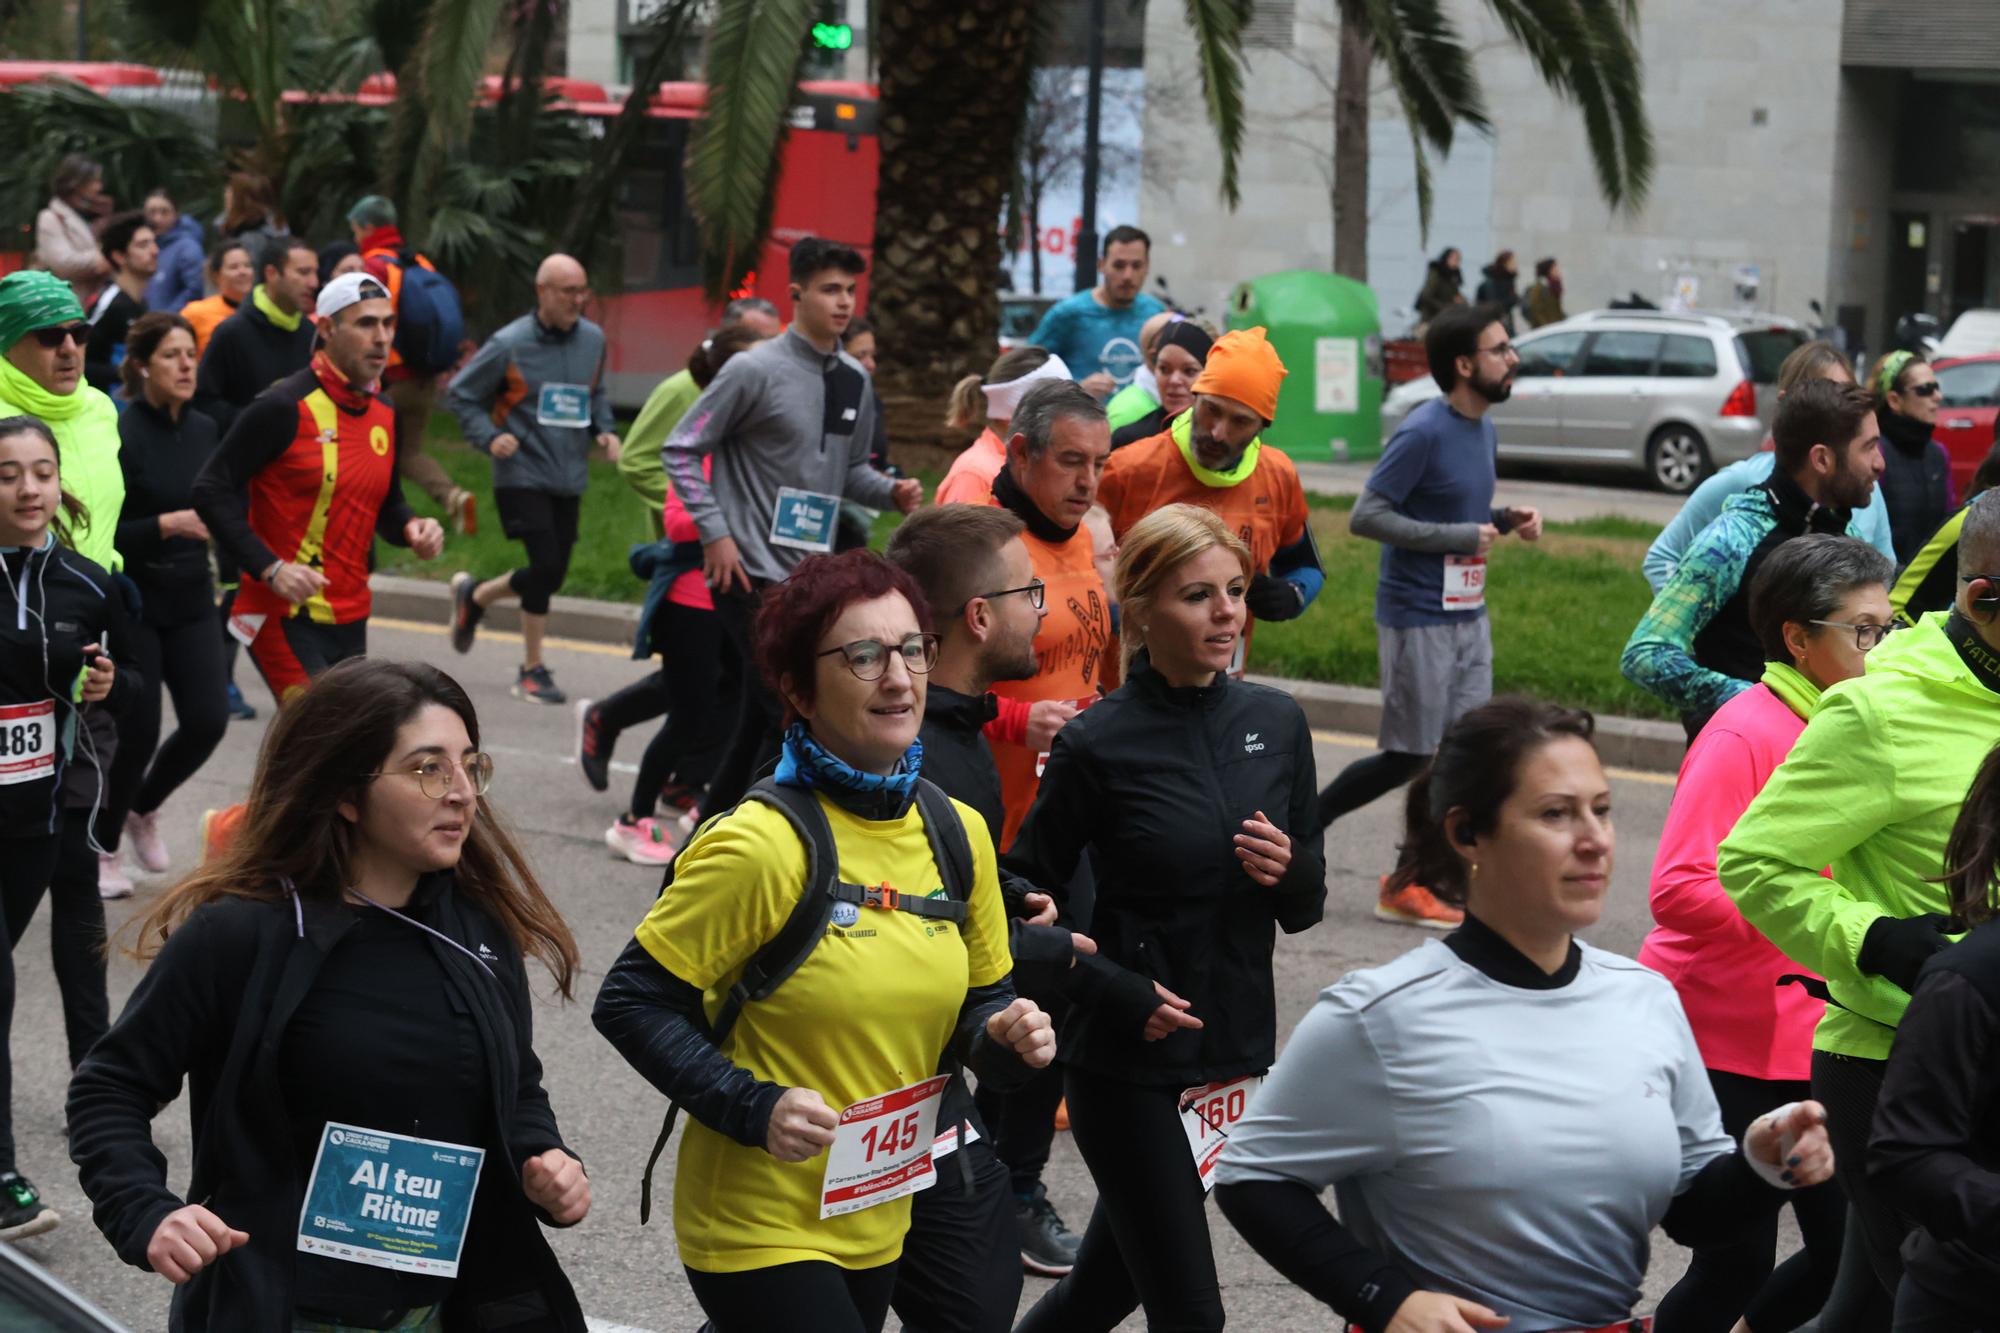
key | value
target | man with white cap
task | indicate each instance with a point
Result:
(303, 483)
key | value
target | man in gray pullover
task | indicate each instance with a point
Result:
(534, 399)
(762, 461)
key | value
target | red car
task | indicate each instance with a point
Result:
(1965, 422)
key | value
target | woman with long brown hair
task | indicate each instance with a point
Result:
(343, 990)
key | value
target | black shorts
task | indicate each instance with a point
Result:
(526, 514)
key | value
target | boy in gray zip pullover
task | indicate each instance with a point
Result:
(762, 461)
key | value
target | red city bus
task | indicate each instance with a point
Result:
(652, 310)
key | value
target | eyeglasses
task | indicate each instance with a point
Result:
(1865, 636)
(434, 776)
(53, 338)
(1505, 351)
(1929, 389)
(1038, 595)
(869, 658)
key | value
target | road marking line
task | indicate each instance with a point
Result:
(1349, 740)
(601, 1326)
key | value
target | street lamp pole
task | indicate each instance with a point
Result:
(1086, 232)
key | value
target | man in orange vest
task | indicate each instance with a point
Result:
(1211, 455)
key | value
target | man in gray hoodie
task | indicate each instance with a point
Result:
(762, 461)
(534, 398)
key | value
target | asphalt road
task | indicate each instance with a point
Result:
(1564, 495)
(627, 1276)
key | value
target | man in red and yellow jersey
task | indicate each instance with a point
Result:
(301, 486)
(1212, 456)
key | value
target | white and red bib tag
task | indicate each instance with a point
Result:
(882, 1148)
(27, 742)
(1464, 582)
(1208, 1113)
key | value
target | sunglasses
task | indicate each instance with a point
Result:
(62, 333)
(1929, 390)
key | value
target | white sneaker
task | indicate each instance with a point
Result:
(112, 881)
(149, 849)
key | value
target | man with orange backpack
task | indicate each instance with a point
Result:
(430, 324)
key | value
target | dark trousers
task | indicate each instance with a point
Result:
(188, 660)
(25, 867)
(1849, 1087)
(815, 1295)
(961, 1265)
(754, 743)
(1367, 780)
(546, 526)
(1919, 1310)
(701, 676)
(76, 931)
(1735, 1279)
(1147, 1243)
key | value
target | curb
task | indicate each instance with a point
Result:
(1624, 742)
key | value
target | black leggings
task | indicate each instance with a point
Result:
(701, 675)
(76, 931)
(1920, 1310)
(546, 525)
(1734, 1279)
(754, 742)
(1147, 1242)
(961, 1265)
(813, 1295)
(1849, 1087)
(25, 867)
(189, 660)
(1366, 780)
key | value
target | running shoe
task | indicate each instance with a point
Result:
(684, 805)
(464, 513)
(536, 685)
(1062, 1115)
(1415, 905)
(148, 847)
(1048, 1247)
(22, 1212)
(465, 613)
(641, 841)
(593, 745)
(112, 881)
(218, 829)
(239, 707)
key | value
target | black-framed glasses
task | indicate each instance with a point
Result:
(869, 658)
(1929, 389)
(1504, 351)
(1038, 595)
(1866, 637)
(55, 337)
(436, 773)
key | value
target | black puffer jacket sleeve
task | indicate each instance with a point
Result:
(655, 1021)
(997, 1067)
(1301, 894)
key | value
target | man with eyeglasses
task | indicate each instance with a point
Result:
(1429, 501)
(1837, 859)
(534, 399)
(1694, 647)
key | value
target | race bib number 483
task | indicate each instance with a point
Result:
(27, 742)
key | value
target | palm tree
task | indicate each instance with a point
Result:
(1584, 50)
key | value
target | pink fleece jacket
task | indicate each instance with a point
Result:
(1726, 972)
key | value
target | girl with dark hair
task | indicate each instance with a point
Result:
(1935, 1150)
(1818, 605)
(1444, 285)
(163, 443)
(894, 985)
(1916, 478)
(342, 987)
(1506, 1114)
(250, 208)
(55, 615)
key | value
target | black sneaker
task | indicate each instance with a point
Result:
(593, 745)
(22, 1212)
(465, 613)
(536, 685)
(1048, 1248)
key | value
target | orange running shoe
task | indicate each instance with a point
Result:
(1062, 1115)
(1415, 905)
(218, 829)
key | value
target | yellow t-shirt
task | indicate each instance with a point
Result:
(870, 1010)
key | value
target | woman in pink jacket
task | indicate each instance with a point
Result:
(1817, 606)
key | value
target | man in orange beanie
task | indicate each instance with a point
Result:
(1211, 455)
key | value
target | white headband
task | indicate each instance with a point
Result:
(1002, 399)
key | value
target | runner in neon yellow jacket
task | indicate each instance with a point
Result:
(1872, 787)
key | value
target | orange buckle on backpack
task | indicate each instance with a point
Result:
(884, 897)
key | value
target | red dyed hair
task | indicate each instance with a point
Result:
(797, 613)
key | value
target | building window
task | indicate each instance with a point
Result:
(1270, 26)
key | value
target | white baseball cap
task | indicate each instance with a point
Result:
(349, 289)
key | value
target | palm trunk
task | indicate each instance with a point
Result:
(954, 89)
(1350, 152)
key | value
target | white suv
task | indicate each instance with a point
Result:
(1674, 396)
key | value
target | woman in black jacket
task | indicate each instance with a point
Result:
(58, 612)
(162, 443)
(1916, 471)
(1182, 783)
(343, 991)
(1935, 1150)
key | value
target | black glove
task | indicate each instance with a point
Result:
(1274, 599)
(1895, 947)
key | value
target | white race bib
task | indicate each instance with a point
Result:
(563, 405)
(245, 628)
(27, 742)
(1208, 1113)
(805, 520)
(882, 1148)
(950, 1141)
(1464, 582)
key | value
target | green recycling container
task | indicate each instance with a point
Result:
(1328, 332)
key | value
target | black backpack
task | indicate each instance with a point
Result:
(785, 952)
